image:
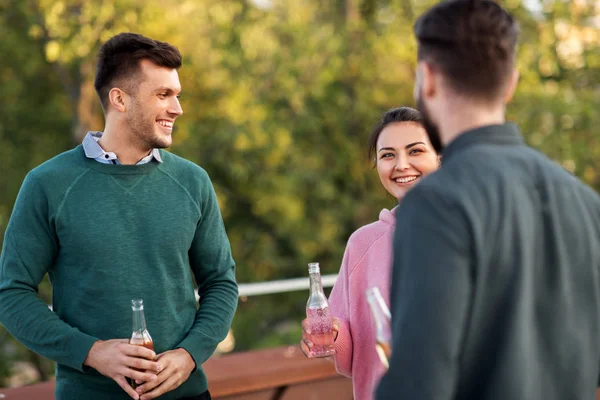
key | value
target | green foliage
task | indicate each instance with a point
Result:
(278, 104)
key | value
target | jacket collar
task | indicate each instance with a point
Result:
(504, 134)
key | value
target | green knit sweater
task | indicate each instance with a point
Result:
(107, 234)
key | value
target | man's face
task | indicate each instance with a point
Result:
(428, 122)
(154, 106)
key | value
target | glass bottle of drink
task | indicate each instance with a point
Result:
(382, 317)
(139, 334)
(319, 316)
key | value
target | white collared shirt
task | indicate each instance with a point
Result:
(93, 150)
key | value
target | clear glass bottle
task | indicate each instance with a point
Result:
(319, 317)
(382, 318)
(139, 335)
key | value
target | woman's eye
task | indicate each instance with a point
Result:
(415, 151)
(162, 95)
(387, 155)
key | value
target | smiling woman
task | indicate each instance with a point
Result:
(401, 150)
(403, 155)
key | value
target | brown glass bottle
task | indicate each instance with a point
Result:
(139, 335)
(381, 316)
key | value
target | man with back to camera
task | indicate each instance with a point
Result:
(116, 219)
(495, 283)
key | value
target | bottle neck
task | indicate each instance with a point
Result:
(139, 321)
(380, 312)
(315, 283)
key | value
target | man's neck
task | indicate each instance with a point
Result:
(127, 152)
(453, 124)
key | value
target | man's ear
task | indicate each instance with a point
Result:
(430, 80)
(117, 99)
(511, 87)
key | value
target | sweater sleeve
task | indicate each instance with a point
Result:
(214, 270)
(430, 296)
(339, 301)
(29, 248)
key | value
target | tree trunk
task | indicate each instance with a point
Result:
(352, 11)
(87, 116)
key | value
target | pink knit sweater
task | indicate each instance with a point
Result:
(367, 262)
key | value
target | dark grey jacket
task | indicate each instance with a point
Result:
(496, 278)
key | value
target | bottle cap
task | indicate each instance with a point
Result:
(313, 267)
(372, 292)
(137, 304)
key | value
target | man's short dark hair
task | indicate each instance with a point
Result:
(472, 42)
(119, 61)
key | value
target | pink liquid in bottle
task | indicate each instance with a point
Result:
(321, 332)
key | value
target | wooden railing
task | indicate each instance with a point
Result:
(274, 374)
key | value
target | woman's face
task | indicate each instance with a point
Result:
(404, 156)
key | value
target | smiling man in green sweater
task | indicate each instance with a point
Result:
(116, 219)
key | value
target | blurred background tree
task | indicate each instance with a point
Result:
(279, 98)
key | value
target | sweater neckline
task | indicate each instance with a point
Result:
(118, 169)
(388, 216)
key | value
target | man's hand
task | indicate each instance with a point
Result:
(307, 341)
(177, 366)
(118, 360)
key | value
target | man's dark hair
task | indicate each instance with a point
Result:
(472, 42)
(119, 61)
(400, 114)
